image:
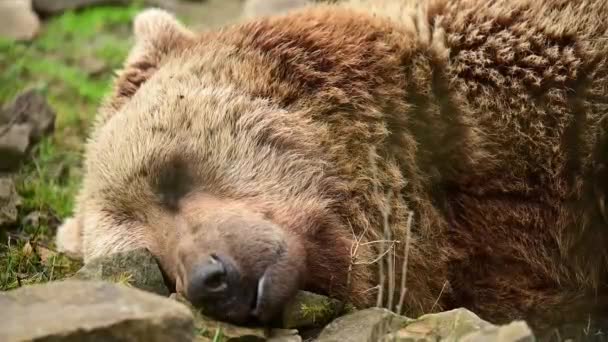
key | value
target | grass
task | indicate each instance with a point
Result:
(56, 63)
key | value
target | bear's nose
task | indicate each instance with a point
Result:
(215, 286)
(210, 280)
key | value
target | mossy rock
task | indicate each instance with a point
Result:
(460, 325)
(137, 268)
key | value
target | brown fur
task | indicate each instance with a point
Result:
(486, 119)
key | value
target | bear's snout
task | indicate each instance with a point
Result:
(234, 263)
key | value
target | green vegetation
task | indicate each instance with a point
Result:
(314, 310)
(72, 61)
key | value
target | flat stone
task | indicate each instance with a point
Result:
(73, 310)
(137, 268)
(309, 309)
(9, 201)
(362, 326)
(18, 20)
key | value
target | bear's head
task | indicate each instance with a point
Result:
(230, 193)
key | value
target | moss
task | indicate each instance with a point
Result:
(309, 309)
(124, 278)
(311, 312)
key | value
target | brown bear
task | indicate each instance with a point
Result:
(419, 155)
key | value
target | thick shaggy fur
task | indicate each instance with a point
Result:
(484, 120)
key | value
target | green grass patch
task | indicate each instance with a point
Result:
(49, 180)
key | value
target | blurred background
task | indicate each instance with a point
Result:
(57, 61)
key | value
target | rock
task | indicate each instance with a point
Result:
(309, 309)
(36, 218)
(459, 325)
(31, 107)
(448, 324)
(284, 335)
(137, 268)
(23, 123)
(72, 310)
(14, 144)
(517, 331)
(58, 6)
(362, 326)
(32, 219)
(93, 66)
(9, 201)
(18, 20)
(255, 8)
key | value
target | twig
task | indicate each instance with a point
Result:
(371, 289)
(408, 229)
(354, 249)
(440, 293)
(377, 258)
(379, 241)
(391, 249)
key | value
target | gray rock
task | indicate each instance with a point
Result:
(362, 326)
(284, 335)
(137, 268)
(93, 66)
(18, 20)
(14, 144)
(23, 123)
(308, 309)
(517, 331)
(35, 218)
(459, 325)
(9, 201)
(31, 107)
(58, 6)
(73, 310)
(452, 324)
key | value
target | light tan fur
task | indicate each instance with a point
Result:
(485, 119)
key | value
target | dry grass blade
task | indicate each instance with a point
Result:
(379, 257)
(354, 249)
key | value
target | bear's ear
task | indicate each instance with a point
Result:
(157, 34)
